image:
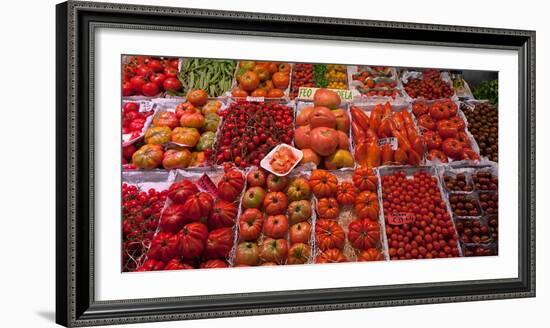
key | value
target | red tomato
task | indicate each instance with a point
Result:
(170, 72)
(155, 65)
(172, 84)
(150, 89)
(158, 79)
(137, 83)
(447, 129)
(426, 122)
(131, 107)
(127, 89)
(452, 148)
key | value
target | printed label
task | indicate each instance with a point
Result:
(207, 184)
(255, 99)
(307, 93)
(400, 218)
(392, 141)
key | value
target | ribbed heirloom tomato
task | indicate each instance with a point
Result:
(346, 193)
(219, 243)
(332, 255)
(148, 157)
(276, 226)
(231, 185)
(299, 211)
(181, 190)
(327, 208)
(371, 254)
(364, 178)
(300, 233)
(173, 218)
(223, 215)
(329, 234)
(214, 264)
(298, 253)
(366, 205)
(177, 264)
(323, 183)
(299, 189)
(157, 135)
(192, 240)
(274, 250)
(198, 206)
(364, 234)
(250, 224)
(163, 247)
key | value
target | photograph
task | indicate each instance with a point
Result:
(232, 163)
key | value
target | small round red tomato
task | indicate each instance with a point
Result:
(436, 154)
(172, 84)
(447, 129)
(150, 89)
(127, 89)
(155, 65)
(452, 148)
(144, 71)
(131, 107)
(158, 79)
(426, 122)
(137, 82)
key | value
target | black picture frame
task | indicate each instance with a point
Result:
(75, 303)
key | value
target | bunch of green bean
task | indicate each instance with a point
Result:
(212, 75)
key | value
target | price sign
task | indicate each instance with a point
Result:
(307, 93)
(392, 141)
(207, 184)
(400, 218)
(255, 99)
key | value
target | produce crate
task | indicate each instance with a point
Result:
(407, 75)
(144, 106)
(215, 76)
(478, 232)
(484, 129)
(254, 209)
(251, 96)
(135, 246)
(405, 226)
(300, 105)
(318, 76)
(346, 215)
(162, 93)
(382, 86)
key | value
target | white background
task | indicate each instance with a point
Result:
(28, 161)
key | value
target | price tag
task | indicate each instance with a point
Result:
(400, 218)
(255, 99)
(392, 141)
(207, 184)
(307, 93)
(146, 105)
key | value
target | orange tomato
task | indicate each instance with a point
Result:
(259, 93)
(239, 93)
(284, 67)
(275, 93)
(197, 97)
(272, 68)
(249, 81)
(281, 80)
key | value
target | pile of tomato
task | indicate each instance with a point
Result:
(150, 76)
(430, 86)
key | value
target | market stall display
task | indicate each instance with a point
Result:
(229, 167)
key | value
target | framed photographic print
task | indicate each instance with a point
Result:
(214, 163)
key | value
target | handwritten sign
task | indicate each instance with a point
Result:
(207, 184)
(255, 99)
(392, 141)
(400, 218)
(307, 93)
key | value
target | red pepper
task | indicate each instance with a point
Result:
(411, 133)
(376, 117)
(399, 122)
(361, 153)
(387, 154)
(371, 136)
(387, 109)
(373, 154)
(360, 117)
(414, 158)
(357, 132)
(402, 140)
(407, 117)
(400, 156)
(419, 145)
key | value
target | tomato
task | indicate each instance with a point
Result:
(364, 178)
(329, 234)
(346, 193)
(155, 65)
(254, 197)
(148, 157)
(137, 83)
(231, 185)
(181, 190)
(299, 211)
(420, 108)
(470, 154)
(323, 183)
(439, 112)
(366, 205)
(274, 250)
(219, 243)
(458, 122)
(463, 138)
(259, 93)
(192, 240)
(327, 208)
(158, 79)
(284, 67)
(280, 80)
(198, 207)
(247, 253)
(249, 81)
(151, 265)
(425, 121)
(192, 120)
(277, 183)
(276, 226)
(173, 218)
(223, 215)
(364, 234)
(300, 233)
(175, 63)
(371, 254)
(144, 71)
(298, 253)
(275, 203)
(256, 178)
(157, 135)
(127, 89)
(170, 72)
(299, 189)
(188, 137)
(176, 159)
(250, 224)
(452, 148)
(172, 84)
(247, 64)
(436, 154)
(332, 255)
(163, 247)
(177, 264)
(275, 93)
(214, 264)
(128, 151)
(197, 97)
(168, 119)
(262, 72)
(433, 140)
(239, 93)
(447, 129)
